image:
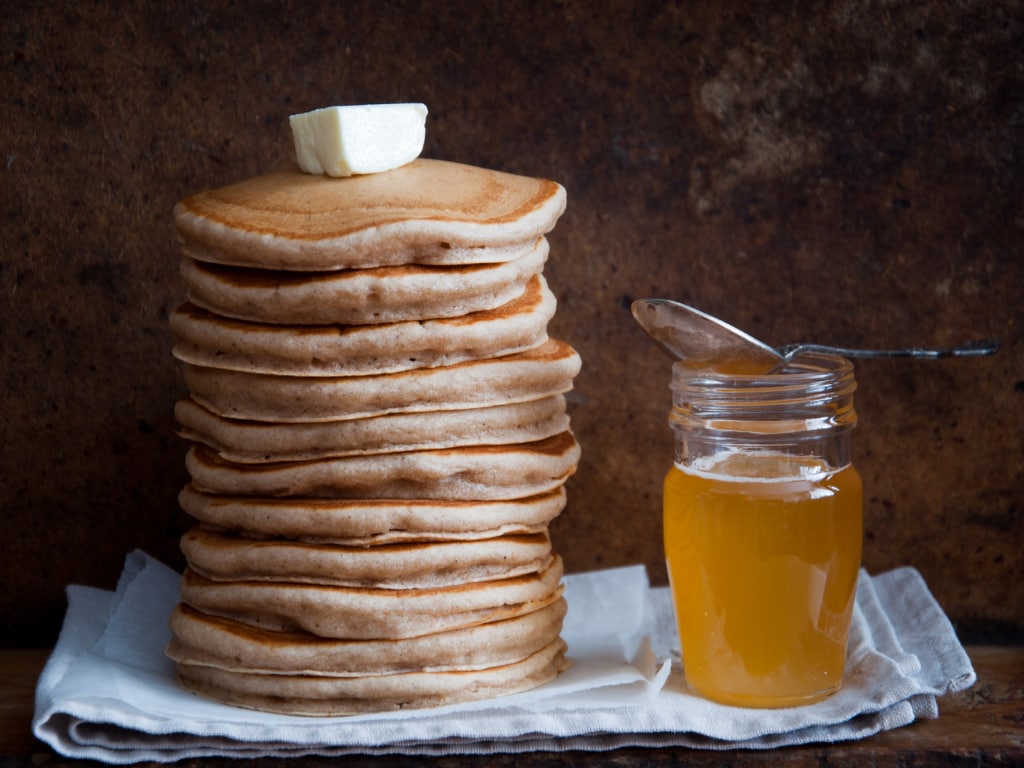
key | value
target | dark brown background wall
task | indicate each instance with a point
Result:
(836, 170)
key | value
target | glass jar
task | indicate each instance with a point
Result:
(763, 529)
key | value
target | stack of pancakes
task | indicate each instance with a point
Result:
(379, 440)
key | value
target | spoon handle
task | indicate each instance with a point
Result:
(984, 347)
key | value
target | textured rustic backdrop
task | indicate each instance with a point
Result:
(837, 170)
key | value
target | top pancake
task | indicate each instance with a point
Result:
(430, 212)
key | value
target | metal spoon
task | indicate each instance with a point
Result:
(704, 341)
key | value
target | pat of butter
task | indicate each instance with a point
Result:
(366, 138)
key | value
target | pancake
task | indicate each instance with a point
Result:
(359, 296)
(363, 522)
(379, 440)
(207, 339)
(472, 473)
(542, 371)
(223, 557)
(354, 613)
(332, 696)
(262, 441)
(209, 641)
(426, 212)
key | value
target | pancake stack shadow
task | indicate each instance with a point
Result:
(379, 440)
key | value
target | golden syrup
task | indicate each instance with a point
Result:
(763, 552)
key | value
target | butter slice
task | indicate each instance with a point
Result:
(365, 138)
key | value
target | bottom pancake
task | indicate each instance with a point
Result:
(331, 696)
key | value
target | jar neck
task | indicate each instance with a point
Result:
(805, 409)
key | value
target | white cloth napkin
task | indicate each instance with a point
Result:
(108, 692)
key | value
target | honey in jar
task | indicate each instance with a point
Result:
(762, 529)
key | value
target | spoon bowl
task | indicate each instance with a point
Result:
(704, 341)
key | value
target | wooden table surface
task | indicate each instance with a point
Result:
(981, 726)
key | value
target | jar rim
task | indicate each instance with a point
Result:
(811, 393)
(803, 370)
